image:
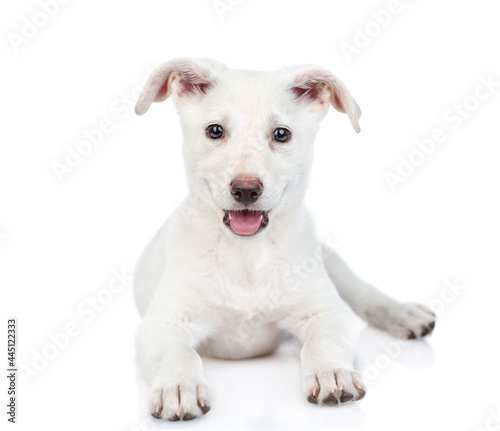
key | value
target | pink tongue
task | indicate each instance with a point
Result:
(246, 222)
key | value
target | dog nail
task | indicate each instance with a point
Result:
(312, 399)
(204, 409)
(361, 393)
(346, 396)
(330, 400)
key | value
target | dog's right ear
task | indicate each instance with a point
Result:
(185, 76)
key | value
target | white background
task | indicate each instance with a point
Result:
(61, 240)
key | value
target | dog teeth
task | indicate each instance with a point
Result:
(229, 214)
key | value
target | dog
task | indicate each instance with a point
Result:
(220, 277)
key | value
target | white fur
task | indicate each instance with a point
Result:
(202, 289)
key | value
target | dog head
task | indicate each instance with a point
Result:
(248, 134)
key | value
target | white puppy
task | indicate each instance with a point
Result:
(220, 277)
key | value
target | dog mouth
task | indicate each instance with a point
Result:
(246, 222)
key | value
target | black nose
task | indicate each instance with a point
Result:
(246, 189)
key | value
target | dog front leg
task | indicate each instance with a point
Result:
(327, 358)
(166, 355)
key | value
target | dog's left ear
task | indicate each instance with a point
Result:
(317, 85)
(187, 77)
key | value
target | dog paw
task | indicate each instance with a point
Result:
(332, 387)
(184, 400)
(411, 321)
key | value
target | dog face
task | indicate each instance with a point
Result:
(248, 135)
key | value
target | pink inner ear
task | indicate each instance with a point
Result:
(160, 95)
(191, 84)
(309, 92)
(312, 90)
(338, 103)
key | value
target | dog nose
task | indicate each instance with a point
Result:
(246, 189)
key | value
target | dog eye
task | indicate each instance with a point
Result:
(281, 134)
(215, 131)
